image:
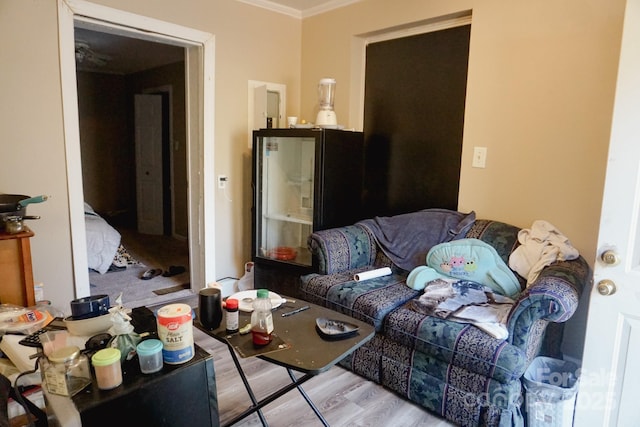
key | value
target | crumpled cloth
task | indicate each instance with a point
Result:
(466, 302)
(540, 246)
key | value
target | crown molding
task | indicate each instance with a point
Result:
(296, 13)
(326, 7)
(274, 7)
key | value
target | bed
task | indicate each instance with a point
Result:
(105, 251)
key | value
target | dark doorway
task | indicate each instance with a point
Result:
(415, 89)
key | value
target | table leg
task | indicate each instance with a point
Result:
(255, 407)
(304, 394)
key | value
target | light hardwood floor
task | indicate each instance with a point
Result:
(343, 398)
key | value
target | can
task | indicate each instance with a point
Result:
(175, 330)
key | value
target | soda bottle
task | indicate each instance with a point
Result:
(261, 318)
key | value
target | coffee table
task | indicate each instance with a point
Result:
(296, 346)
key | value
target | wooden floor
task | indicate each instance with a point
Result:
(343, 398)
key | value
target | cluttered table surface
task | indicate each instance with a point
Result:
(159, 397)
(297, 343)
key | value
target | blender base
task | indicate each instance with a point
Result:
(326, 117)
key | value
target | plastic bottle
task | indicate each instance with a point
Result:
(232, 315)
(261, 318)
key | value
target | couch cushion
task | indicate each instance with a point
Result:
(369, 300)
(455, 344)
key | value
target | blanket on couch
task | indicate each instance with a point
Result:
(407, 238)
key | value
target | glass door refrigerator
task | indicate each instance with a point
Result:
(303, 180)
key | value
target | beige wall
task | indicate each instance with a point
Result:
(540, 94)
(539, 97)
(250, 44)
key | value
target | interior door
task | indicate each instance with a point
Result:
(148, 140)
(610, 379)
(260, 107)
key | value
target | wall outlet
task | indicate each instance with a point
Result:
(222, 181)
(479, 157)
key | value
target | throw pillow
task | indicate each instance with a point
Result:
(474, 260)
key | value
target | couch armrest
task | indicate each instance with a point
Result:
(344, 248)
(553, 297)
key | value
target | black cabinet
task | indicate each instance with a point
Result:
(303, 180)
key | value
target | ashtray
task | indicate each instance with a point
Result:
(335, 329)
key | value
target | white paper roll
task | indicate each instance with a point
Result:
(372, 274)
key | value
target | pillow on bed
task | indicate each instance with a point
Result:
(474, 260)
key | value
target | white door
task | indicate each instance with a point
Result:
(260, 107)
(609, 391)
(148, 140)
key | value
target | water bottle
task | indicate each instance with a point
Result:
(261, 318)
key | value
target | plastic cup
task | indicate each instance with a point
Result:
(52, 341)
(150, 356)
(106, 363)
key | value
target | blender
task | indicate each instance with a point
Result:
(326, 92)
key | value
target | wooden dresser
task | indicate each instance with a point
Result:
(16, 272)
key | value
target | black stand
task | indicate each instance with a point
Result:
(257, 406)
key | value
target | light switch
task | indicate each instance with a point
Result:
(479, 157)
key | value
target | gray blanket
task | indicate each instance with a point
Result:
(407, 238)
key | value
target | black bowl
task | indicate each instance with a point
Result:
(88, 307)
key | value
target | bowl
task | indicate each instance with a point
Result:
(88, 327)
(93, 306)
(283, 253)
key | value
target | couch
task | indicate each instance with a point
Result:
(450, 368)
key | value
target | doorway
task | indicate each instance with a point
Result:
(199, 53)
(134, 175)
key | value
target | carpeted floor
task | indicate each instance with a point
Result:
(153, 252)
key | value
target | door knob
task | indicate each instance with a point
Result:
(609, 257)
(606, 287)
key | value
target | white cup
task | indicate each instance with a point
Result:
(292, 121)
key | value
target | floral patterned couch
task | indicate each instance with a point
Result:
(452, 369)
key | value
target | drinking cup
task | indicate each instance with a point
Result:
(210, 307)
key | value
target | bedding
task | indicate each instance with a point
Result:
(103, 241)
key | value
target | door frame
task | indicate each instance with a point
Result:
(199, 77)
(359, 54)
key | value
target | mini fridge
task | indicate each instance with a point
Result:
(303, 180)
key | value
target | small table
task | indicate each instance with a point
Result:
(177, 395)
(296, 346)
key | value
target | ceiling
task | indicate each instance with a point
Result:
(113, 54)
(102, 52)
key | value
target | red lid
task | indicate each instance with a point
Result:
(232, 303)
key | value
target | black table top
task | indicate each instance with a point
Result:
(296, 342)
